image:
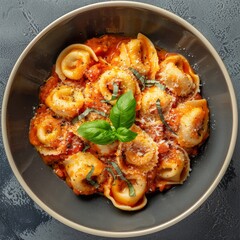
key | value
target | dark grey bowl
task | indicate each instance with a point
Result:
(96, 215)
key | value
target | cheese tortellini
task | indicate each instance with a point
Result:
(65, 101)
(174, 166)
(122, 78)
(140, 54)
(139, 155)
(148, 104)
(119, 194)
(167, 124)
(177, 75)
(73, 61)
(78, 167)
(193, 124)
(48, 133)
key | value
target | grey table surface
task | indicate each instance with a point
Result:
(218, 218)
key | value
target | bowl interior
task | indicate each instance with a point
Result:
(97, 212)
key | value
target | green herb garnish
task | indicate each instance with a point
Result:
(146, 82)
(114, 94)
(111, 172)
(89, 179)
(120, 174)
(122, 116)
(86, 147)
(159, 109)
(139, 77)
(86, 112)
(150, 83)
(98, 131)
(123, 112)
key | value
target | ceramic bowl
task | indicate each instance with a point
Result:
(96, 215)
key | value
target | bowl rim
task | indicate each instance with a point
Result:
(210, 189)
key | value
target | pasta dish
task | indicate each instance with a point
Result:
(120, 117)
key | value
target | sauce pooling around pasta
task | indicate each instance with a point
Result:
(170, 123)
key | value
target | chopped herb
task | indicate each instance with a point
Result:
(112, 173)
(150, 83)
(114, 94)
(86, 112)
(89, 179)
(162, 116)
(86, 147)
(146, 82)
(139, 77)
(130, 186)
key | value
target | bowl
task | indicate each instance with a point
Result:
(95, 215)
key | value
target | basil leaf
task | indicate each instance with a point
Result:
(150, 83)
(146, 82)
(86, 112)
(123, 112)
(139, 77)
(89, 179)
(112, 173)
(98, 132)
(120, 174)
(114, 94)
(160, 113)
(125, 135)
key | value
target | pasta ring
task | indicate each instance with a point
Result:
(118, 193)
(47, 133)
(193, 126)
(148, 104)
(177, 75)
(174, 166)
(73, 61)
(140, 155)
(78, 166)
(119, 76)
(65, 101)
(139, 54)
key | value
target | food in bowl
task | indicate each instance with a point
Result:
(120, 117)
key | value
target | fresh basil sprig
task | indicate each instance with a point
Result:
(123, 112)
(122, 116)
(98, 131)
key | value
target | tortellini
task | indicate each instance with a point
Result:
(118, 193)
(122, 78)
(140, 155)
(47, 133)
(73, 61)
(193, 125)
(65, 101)
(139, 54)
(177, 75)
(148, 104)
(78, 167)
(174, 166)
(166, 126)
(104, 150)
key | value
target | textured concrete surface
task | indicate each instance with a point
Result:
(218, 218)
